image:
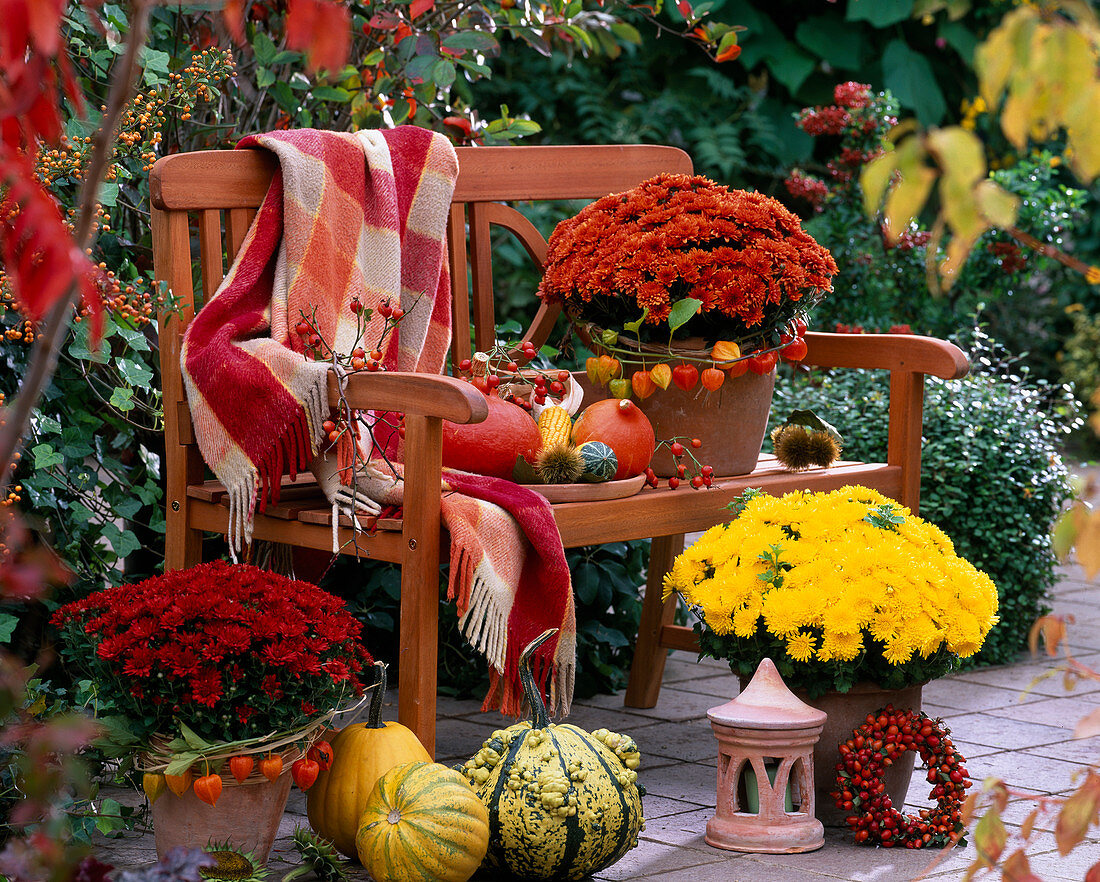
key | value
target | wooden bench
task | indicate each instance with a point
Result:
(202, 204)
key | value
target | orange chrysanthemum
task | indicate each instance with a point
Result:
(744, 255)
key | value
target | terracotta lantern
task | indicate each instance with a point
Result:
(766, 738)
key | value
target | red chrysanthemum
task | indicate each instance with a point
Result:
(201, 644)
(743, 255)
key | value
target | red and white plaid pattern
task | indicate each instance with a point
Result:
(347, 216)
(364, 216)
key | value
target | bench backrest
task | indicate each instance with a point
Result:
(203, 203)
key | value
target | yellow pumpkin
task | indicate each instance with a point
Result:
(423, 823)
(360, 754)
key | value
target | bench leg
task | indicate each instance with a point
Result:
(644, 686)
(419, 628)
(182, 545)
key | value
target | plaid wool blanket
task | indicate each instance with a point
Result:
(362, 216)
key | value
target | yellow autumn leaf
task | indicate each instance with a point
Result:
(1071, 65)
(997, 205)
(1083, 129)
(875, 178)
(908, 195)
(959, 153)
(1088, 544)
(995, 59)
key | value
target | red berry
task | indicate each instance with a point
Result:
(302, 328)
(563, 376)
(673, 483)
(356, 307)
(397, 313)
(676, 448)
(511, 367)
(681, 470)
(465, 364)
(376, 354)
(385, 309)
(706, 471)
(696, 443)
(328, 425)
(707, 480)
(697, 481)
(494, 381)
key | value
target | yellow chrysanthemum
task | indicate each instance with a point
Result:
(800, 646)
(852, 564)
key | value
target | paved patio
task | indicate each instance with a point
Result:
(1025, 739)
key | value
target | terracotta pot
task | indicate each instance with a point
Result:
(846, 711)
(248, 815)
(730, 422)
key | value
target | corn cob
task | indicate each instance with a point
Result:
(555, 426)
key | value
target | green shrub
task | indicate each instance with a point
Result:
(606, 580)
(991, 474)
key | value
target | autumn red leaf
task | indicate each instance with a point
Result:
(419, 7)
(1078, 814)
(1016, 868)
(990, 838)
(38, 251)
(321, 29)
(233, 14)
(1093, 875)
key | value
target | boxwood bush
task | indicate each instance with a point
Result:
(991, 473)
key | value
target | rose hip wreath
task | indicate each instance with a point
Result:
(860, 792)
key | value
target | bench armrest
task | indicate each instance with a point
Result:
(905, 352)
(428, 395)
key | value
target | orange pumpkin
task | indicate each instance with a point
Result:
(491, 447)
(620, 425)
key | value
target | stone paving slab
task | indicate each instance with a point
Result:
(1029, 742)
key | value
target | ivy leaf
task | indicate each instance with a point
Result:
(682, 311)
(122, 399)
(45, 457)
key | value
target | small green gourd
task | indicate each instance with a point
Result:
(600, 462)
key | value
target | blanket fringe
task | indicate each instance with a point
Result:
(484, 623)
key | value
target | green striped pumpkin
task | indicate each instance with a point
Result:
(600, 462)
(422, 823)
(563, 803)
